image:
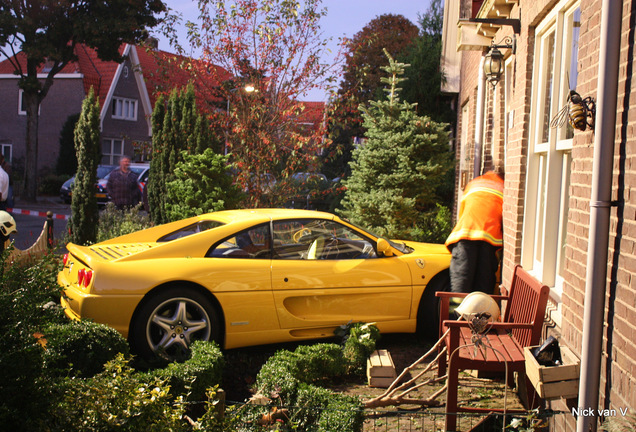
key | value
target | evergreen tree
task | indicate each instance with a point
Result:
(178, 130)
(396, 172)
(156, 183)
(85, 214)
(67, 160)
(201, 184)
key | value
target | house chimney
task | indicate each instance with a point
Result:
(152, 43)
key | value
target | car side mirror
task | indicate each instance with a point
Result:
(384, 248)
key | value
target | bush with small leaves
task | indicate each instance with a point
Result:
(202, 371)
(114, 223)
(117, 399)
(81, 348)
(27, 300)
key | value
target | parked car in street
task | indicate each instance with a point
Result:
(252, 277)
(66, 190)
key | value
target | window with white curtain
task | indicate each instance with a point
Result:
(549, 155)
(124, 109)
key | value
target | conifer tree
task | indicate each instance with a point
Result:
(396, 172)
(178, 130)
(85, 214)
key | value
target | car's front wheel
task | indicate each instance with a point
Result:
(170, 321)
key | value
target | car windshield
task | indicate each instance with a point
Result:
(195, 228)
(104, 170)
(401, 246)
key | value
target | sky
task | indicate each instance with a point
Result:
(344, 18)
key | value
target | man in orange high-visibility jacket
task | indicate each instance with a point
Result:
(478, 235)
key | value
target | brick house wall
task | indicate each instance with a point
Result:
(520, 107)
(63, 100)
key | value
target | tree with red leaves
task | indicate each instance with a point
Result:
(273, 49)
(361, 81)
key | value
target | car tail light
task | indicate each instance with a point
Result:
(84, 277)
(87, 278)
(65, 260)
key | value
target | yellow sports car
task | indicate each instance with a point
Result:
(251, 277)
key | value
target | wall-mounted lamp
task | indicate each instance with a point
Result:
(494, 61)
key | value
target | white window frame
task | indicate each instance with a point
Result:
(549, 161)
(124, 108)
(7, 151)
(111, 157)
(20, 103)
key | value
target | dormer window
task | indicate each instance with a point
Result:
(124, 109)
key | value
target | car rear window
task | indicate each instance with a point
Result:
(195, 228)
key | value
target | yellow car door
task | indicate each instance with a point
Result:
(325, 273)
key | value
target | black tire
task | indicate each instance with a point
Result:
(428, 310)
(168, 322)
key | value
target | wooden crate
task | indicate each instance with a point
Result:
(553, 382)
(380, 369)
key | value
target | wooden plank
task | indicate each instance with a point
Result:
(380, 369)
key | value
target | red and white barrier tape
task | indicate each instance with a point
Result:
(36, 213)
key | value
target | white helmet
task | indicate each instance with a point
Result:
(478, 302)
(7, 224)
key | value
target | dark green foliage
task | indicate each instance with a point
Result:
(114, 223)
(156, 185)
(396, 174)
(67, 159)
(202, 371)
(177, 130)
(83, 224)
(359, 344)
(51, 184)
(81, 348)
(117, 399)
(27, 294)
(201, 184)
(310, 363)
(342, 414)
(425, 76)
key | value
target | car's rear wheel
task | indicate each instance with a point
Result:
(428, 311)
(170, 321)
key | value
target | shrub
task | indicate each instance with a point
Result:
(114, 223)
(81, 348)
(343, 414)
(51, 184)
(289, 375)
(117, 399)
(196, 375)
(283, 372)
(359, 342)
(200, 184)
(26, 295)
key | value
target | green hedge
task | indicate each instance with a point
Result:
(196, 375)
(81, 348)
(291, 377)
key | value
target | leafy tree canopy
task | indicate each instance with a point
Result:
(48, 31)
(276, 47)
(362, 82)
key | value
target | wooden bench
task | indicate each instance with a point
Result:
(521, 326)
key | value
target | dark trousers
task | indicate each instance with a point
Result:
(473, 266)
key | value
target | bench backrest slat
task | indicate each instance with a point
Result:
(527, 304)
